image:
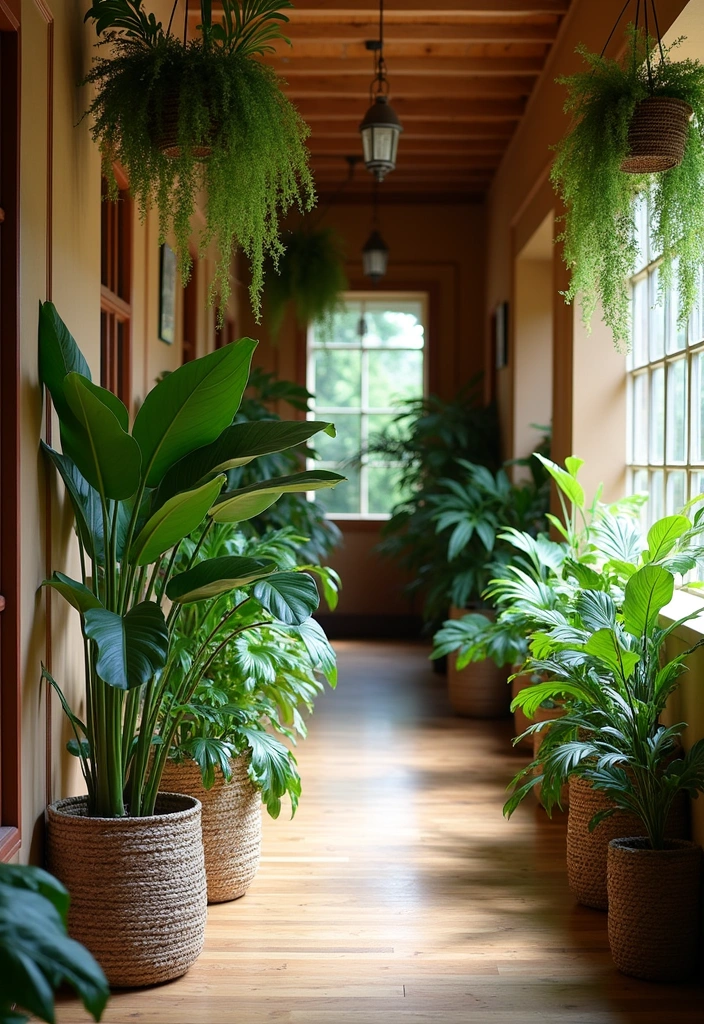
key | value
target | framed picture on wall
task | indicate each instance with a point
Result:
(501, 335)
(168, 274)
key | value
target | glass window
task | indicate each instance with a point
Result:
(360, 373)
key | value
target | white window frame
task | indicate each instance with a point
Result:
(329, 412)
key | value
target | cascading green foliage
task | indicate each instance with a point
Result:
(137, 496)
(600, 245)
(225, 100)
(310, 276)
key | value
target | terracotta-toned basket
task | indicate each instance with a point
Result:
(480, 689)
(232, 825)
(654, 908)
(587, 852)
(167, 139)
(137, 886)
(547, 715)
(657, 135)
(520, 720)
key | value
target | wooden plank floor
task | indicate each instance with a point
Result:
(399, 894)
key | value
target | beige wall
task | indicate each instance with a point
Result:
(532, 361)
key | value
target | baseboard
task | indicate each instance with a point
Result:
(371, 627)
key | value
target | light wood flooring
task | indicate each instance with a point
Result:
(399, 894)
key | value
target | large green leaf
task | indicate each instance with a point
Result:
(215, 576)
(565, 481)
(85, 501)
(38, 956)
(74, 592)
(191, 407)
(604, 645)
(272, 769)
(174, 521)
(238, 444)
(59, 355)
(247, 502)
(104, 453)
(291, 597)
(319, 649)
(647, 593)
(131, 647)
(664, 534)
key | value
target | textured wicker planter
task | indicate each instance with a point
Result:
(232, 825)
(480, 689)
(520, 719)
(137, 885)
(547, 715)
(657, 135)
(587, 852)
(166, 138)
(654, 908)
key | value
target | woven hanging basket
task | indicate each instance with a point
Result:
(587, 852)
(654, 908)
(657, 135)
(137, 885)
(547, 715)
(480, 689)
(166, 138)
(232, 825)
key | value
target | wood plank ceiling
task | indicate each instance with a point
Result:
(460, 75)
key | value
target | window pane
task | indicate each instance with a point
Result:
(657, 415)
(677, 411)
(346, 326)
(384, 490)
(656, 505)
(337, 378)
(393, 377)
(696, 329)
(383, 422)
(347, 443)
(657, 318)
(640, 322)
(698, 408)
(345, 497)
(399, 326)
(639, 421)
(676, 491)
(676, 335)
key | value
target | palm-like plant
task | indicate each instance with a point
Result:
(136, 496)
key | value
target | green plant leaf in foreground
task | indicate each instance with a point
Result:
(131, 647)
(178, 517)
(272, 769)
(247, 502)
(215, 576)
(291, 597)
(59, 355)
(647, 593)
(74, 592)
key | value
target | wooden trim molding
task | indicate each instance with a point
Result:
(10, 663)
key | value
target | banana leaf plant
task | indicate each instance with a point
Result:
(137, 494)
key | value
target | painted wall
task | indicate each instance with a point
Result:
(435, 247)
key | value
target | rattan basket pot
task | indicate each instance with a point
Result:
(654, 908)
(166, 136)
(232, 825)
(657, 135)
(137, 886)
(587, 852)
(480, 690)
(547, 714)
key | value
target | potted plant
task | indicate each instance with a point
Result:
(136, 496)
(637, 132)
(202, 115)
(611, 668)
(36, 954)
(224, 752)
(310, 277)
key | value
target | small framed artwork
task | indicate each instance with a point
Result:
(168, 274)
(501, 335)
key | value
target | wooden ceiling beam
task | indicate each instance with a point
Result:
(321, 146)
(430, 158)
(419, 67)
(488, 8)
(356, 30)
(420, 108)
(347, 86)
(347, 129)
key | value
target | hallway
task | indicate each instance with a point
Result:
(399, 894)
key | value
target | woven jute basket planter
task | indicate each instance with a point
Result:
(232, 825)
(587, 852)
(137, 885)
(520, 719)
(166, 138)
(657, 135)
(480, 689)
(654, 908)
(547, 715)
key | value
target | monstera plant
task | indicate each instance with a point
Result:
(137, 495)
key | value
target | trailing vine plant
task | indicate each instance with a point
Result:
(599, 236)
(310, 277)
(202, 115)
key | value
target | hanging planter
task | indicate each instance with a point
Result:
(637, 134)
(185, 117)
(310, 277)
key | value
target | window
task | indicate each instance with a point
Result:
(665, 392)
(116, 286)
(360, 371)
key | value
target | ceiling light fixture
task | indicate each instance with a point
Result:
(381, 127)
(375, 252)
